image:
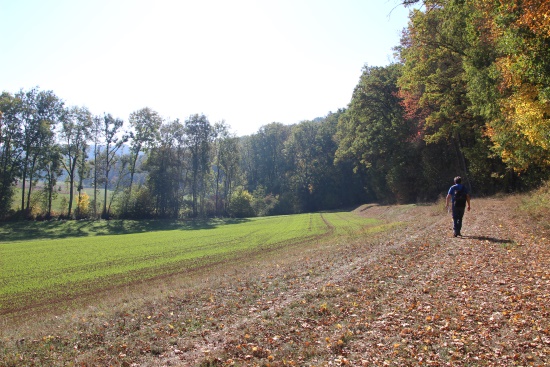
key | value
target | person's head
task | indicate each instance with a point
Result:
(458, 179)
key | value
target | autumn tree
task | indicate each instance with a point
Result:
(500, 52)
(83, 172)
(440, 51)
(519, 33)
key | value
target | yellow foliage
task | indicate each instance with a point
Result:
(522, 137)
(83, 204)
(530, 115)
(505, 66)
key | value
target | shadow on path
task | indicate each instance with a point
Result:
(486, 238)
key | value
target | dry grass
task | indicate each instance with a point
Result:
(412, 295)
(537, 205)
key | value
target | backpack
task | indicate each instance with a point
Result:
(460, 197)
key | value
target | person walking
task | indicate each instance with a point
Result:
(459, 196)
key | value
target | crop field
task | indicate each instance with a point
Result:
(46, 262)
(325, 289)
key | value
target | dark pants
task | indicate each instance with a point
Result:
(458, 214)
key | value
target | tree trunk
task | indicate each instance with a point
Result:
(23, 183)
(30, 184)
(104, 214)
(71, 184)
(95, 180)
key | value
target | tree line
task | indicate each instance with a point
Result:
(152, 168)
(469, 95)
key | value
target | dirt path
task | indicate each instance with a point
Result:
(410, 296)
(413, 296)
(479, 300)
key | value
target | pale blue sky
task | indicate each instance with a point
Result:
(247, 62)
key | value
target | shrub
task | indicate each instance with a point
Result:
(83, 206)
(241, 204)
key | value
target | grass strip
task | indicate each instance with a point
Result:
(35, 271)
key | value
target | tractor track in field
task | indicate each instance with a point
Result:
(410, 295)
(24, 305)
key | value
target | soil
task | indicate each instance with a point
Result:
(411, 295)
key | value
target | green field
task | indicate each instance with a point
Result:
(41, 262)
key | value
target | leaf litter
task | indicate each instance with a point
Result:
(410, 295)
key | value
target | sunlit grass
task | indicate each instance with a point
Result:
(65, 259)
(537, 206)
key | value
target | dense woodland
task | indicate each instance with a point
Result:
(468, 94)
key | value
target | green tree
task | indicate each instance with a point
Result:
(266, 160)
(334, 184)
(199, 135)
(225, 164)
(11, 148)
(241, 204)
(145, 124)
(374, 134)
(113, 142)
(312, 175)
(302, 153)
(75, 133)
(167, 169)
(41, 111)
(228, 161)
(51, 166)
(492, 106)
(96, 131)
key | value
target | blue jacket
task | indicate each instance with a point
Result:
(457, 187)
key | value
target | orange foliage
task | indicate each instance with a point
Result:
(522, 136)
(536, 17)
(532, 14)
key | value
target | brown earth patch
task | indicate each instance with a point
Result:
(413, 295)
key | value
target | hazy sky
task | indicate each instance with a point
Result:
(247, 62)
